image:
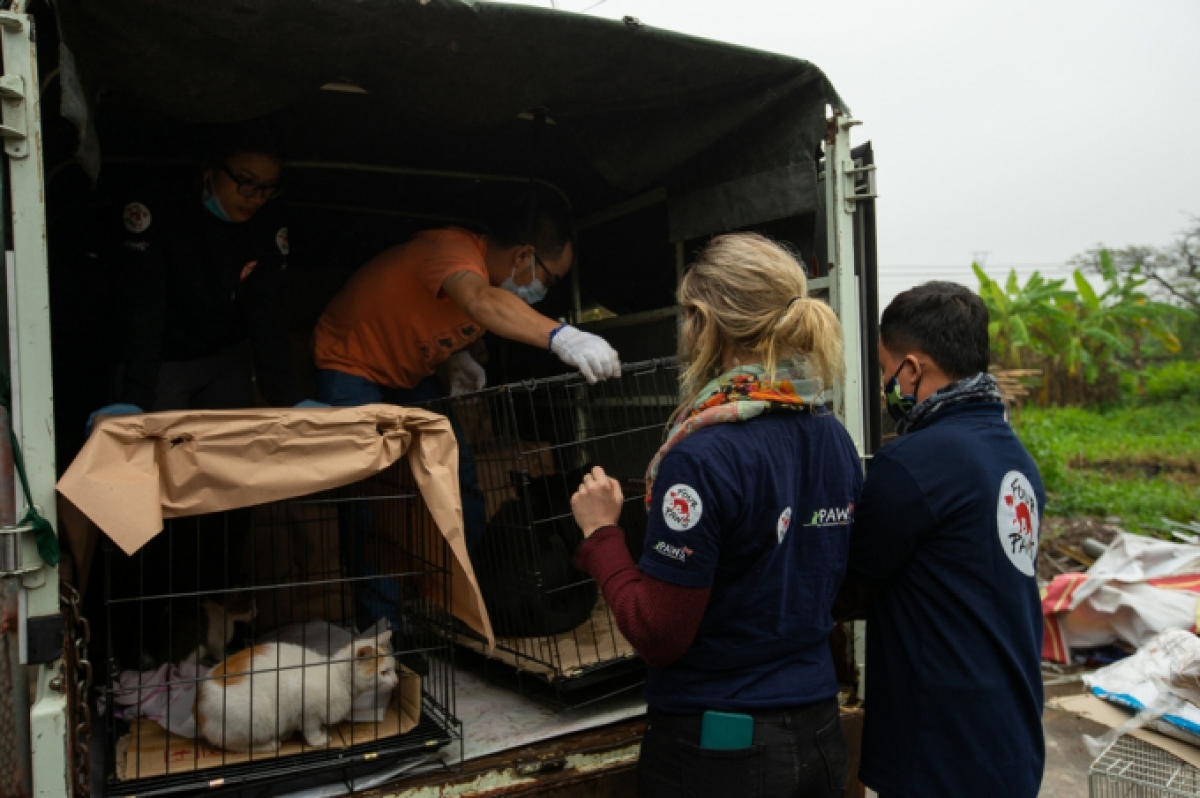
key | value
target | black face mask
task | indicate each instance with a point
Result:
(898, 404)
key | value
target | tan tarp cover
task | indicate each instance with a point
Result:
(135, 471)
(594, 642)
(1100, 711)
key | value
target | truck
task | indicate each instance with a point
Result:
(401, 112)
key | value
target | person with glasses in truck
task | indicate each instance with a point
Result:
(198, 271)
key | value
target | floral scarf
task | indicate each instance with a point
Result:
(981, 387)
(741, 394)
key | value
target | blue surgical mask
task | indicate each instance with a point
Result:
(898, 403)
(214, 207)
(531, 294)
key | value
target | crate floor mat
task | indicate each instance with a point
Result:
(149, 751)
(597, 641)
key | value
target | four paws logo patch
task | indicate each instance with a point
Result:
(1017, 521)
(785, 521)
(137, 217)
(682, 507)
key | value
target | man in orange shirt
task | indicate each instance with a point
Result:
(422, 303)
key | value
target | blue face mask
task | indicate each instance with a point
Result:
(899, 403)
(214, 207)
(531, 294)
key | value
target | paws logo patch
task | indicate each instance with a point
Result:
(682, 507)
(1017, 522)
(833, 516)
(785, 521)
(680, 553)
(281, 240)
(137, 217)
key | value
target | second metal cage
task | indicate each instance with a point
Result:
(1133, 768)
(524, 449)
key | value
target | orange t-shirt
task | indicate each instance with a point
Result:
(391, 323)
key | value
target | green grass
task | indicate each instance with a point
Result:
(1138, 463)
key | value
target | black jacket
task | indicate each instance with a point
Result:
(190, 285)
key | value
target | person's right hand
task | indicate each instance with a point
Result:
(118, 409)
(598, 502)
(589, 353)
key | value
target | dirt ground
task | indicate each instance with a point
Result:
(1067, 760)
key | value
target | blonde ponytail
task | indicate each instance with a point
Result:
(746, 293)
(810, 328)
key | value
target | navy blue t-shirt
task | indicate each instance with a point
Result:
(760, 511)
(948, 528)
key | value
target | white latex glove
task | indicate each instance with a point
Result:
(464, 374)
(589, 353)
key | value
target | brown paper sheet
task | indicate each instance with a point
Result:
(149, 750)
(1096, 709)
(134, 471)
(594, 641)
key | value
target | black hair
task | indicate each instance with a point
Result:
(944, 320)
(257, 135)
(538, 216)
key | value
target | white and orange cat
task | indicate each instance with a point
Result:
(263, 695)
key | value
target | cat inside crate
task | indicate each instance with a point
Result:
(524, 563)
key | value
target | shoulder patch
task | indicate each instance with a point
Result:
(281, 240)
(137, 217)
(785, 521)
(1017, 521)
(682, 507)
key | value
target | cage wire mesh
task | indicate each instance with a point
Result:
(279, 641)
(1133, 768)
(523, 450)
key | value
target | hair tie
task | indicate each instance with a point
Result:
(791, 302)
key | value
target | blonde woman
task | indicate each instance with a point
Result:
(750, 504)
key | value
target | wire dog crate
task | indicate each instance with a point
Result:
(1133, 768)
(526, 447)
(279, 641)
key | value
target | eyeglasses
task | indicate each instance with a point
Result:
(551, 277)
(250, 189)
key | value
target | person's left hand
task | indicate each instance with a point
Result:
(597, 503)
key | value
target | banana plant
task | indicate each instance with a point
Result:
(1077, 338)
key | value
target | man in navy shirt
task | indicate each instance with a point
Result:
(943, 552)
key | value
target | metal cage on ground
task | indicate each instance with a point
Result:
(524, 448)
(279, 642)
(1133, 768)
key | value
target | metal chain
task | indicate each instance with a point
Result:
(77, 677)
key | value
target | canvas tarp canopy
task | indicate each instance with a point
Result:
(731, 133)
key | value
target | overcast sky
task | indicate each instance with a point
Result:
(1029, 130)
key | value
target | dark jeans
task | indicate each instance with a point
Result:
(224, 381)
(798, 752)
